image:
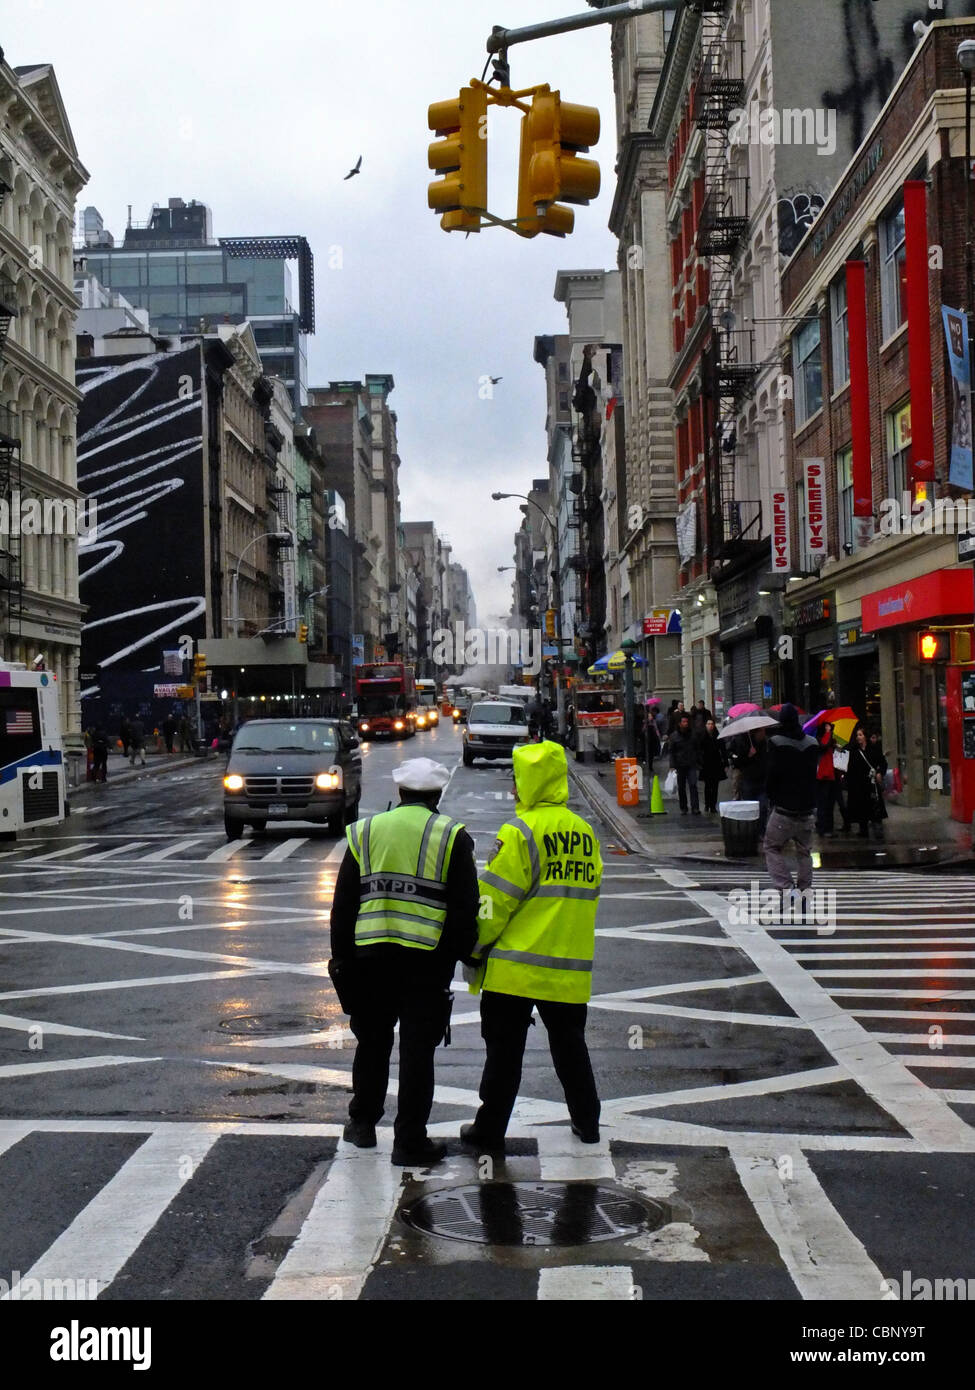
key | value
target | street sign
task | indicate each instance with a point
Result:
(966, 546)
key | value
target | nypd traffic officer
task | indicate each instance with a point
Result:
(404, 912)
(536, 933)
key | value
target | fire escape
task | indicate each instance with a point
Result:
(586, 511)
(731, 369)
(11, 584)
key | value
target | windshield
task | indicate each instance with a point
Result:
(497, 714)
(286, 738)
(372, 705)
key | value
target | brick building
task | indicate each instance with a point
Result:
(873, 576)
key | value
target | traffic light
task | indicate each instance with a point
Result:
(550, 171)
(199, 667)
(933, 646)
(962, 647)
(302, 632)
(550, 622)
(461, 156)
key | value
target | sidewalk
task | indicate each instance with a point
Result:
(120, 770)
(912, 835)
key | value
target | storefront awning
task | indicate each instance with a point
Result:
(947, 593)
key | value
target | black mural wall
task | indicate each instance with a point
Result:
(140, 457)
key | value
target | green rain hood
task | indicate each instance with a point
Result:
(541, 775)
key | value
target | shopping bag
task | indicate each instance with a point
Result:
(670, 783)
(841, 759)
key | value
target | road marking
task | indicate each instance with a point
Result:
(700, 1095)
(60, 853)
(594, 1283)
(823, 1256)
(119, 849)
(624, 1006)
(283, 850)
(564, 1158)
(177, 848)
(69, 1064)
(104, 1236)
(26, 1025)
(343, 1234)
(156, 981)
(337, 852)
(225, 851)
(677, 878)
(881, 1076)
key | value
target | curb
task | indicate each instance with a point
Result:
(133, 775)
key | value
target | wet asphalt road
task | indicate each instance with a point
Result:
(780, 1097)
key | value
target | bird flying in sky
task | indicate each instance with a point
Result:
(352, 172)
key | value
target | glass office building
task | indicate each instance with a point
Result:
(190, 283)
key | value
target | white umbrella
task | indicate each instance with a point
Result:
(746, 724)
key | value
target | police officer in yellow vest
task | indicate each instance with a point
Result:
(536, 933)
(404, 912)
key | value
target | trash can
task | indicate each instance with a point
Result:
(739, 826)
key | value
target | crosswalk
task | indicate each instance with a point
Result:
(292, 1212)
(111, 852)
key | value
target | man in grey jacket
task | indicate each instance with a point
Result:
(793, 757)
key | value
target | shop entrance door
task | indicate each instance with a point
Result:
(934, 696)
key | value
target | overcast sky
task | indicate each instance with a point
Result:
(259, 111)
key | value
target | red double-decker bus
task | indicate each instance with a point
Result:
(386, 700)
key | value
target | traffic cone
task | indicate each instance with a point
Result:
(657, 807)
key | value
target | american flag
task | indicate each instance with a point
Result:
(20, 721)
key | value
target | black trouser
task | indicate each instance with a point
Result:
(711, 783)
(417, 1002)
(505, 1019)
(99, 764)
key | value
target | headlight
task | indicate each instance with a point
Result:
(234, 782)
(398, 724)
(327, 781)
(363, 728)
(456, 713)
(421, 723)
(434, 719)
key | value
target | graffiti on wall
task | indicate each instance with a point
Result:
(140, 456)
(796, 214)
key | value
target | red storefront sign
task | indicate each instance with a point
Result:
(815, 507)
(940, 594)
(780, 532)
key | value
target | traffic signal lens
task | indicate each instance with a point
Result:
(462, 157)
(933, 646)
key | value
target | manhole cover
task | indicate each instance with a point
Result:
(263, 1025)
(524, 1213)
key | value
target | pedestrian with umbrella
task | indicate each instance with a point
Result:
(714, 766)
(748, 755)
(792, 762)
(865, 782)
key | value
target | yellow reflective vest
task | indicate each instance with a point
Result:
(403, 857)
(540, 890)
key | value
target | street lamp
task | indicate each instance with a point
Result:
(628, 647)
(235, 590)
(556, 584)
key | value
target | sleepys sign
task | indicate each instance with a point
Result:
(815, 507)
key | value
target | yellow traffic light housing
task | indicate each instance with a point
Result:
(550, 622)
(199, 666)
(461, 156)
(302, 632)
(550, 170)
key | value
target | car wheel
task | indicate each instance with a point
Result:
(336, 824)
(234, 828)
(259, 826)
(468, 758)
(352, 812)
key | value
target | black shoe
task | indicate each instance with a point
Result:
(362, 1135)
(695, 813)
(484, 1144)
(588, 1136)
(424, 1155)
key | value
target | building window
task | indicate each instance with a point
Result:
(564, 402)
(808, 369)
(839, 331)
(899, 449)
(893, 278)
(844, 493)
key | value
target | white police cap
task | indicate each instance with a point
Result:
(421, 775)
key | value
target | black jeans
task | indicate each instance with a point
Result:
(711, 783)
(417, 1002)
(505, 1019)
(687, 779)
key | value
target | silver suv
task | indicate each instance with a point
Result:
(494, 727)
(292, 770)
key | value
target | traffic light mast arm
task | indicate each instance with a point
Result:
(501, 39)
